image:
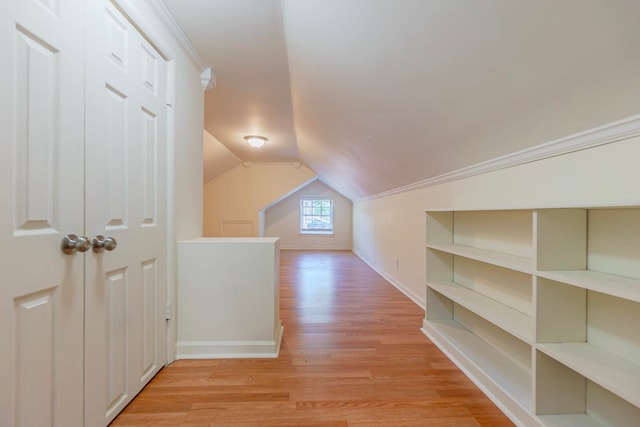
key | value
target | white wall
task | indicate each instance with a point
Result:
(283, 220)
(228, 310)
(393, 227)
(238, 195)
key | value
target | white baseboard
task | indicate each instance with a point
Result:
(519, 414)
(230, 349)
(421, 302)
(316, 248)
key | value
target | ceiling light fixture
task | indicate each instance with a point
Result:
(256, 141)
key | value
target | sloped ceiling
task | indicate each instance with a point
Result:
(217, 159)
(378, 94)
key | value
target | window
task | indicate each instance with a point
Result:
(316, 216)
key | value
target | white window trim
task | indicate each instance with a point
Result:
(316, 233)
(307, 232)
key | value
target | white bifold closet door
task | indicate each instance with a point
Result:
(126, 137)
(83, 152)
(41, 201)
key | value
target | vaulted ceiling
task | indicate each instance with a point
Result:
(378, 94)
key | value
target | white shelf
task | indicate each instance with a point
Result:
(522, 264)
(539, 307)
(506, 318)
(570, 420)
(618, 286)
(617, 375)
(479, 359)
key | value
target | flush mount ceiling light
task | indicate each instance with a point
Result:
(256, 141)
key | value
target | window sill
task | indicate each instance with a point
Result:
(316, 233)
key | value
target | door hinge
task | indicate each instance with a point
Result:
(167, 311)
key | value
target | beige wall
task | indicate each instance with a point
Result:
(186, 161)
(393, 227)
(236, 197)
(187, 155)
(283, 220)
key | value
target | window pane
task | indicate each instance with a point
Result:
(316, 215)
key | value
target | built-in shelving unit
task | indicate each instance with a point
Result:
(541, 308)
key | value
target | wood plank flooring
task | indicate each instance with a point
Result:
(352, 355)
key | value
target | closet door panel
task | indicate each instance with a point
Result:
(126, 201)
(42, 176)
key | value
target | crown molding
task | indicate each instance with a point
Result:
(208, 79)
(163, 14)
(147, 25)
(296, 165)
(612, 132)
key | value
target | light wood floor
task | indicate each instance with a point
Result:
(352, 355)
